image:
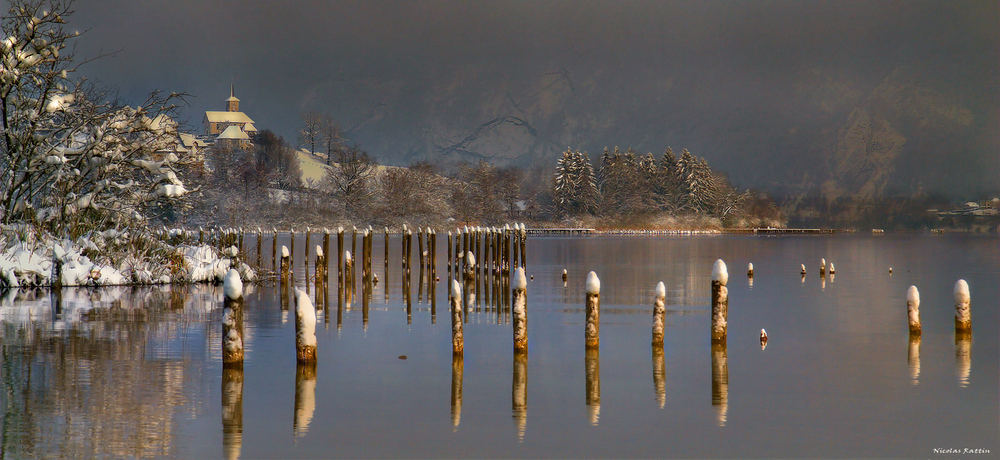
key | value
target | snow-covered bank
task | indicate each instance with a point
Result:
(46, 261)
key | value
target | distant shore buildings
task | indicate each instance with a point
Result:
(230, 127)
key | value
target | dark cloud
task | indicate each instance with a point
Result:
(353, 59)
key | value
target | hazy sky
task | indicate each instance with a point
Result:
(285, 57)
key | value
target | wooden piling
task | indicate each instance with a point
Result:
(455, 300)
(658, 312)
(274, 249)
(291, 252)
(822, 268)
(520, 313)
(286, 264)
(305, 328)
(519, 393)
(232, 320)
(659, 375)
(326, 265)
(913, 310)
(305, 256)
(449, 257)
(593, 328)
(260, 257)
(720, 302)
(320, 279)
(340, 263)
(963, 312)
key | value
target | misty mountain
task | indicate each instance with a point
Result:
(904, 132)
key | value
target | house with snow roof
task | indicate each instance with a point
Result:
(231, 127)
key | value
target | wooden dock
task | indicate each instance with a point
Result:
(735, 231)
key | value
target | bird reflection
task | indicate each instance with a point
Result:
(593, 370)
(232, 412)
(963, 357)
(659, 375)
(720, 381)
(457, 369)
(913, 358)
(519, 394)
(305, 398)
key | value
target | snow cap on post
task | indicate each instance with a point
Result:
(593, 284)
(913, 295)
(456, 290)
(962, 292)
(233, 285)
(719, 272)
(284, 251)
(519, 281)
(661, 290)
(319, 251)
(471, 258)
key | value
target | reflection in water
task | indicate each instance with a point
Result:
(913, 357)
(720, 381)
(659, 374)
(457, 369)
(593, 369)
(305, 398)
(519, 394)
(232, 412)
(963, 357)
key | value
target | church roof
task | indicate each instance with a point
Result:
(250, 128)
(233, 132)
(232, 99)
(232, 94)
(227, 117)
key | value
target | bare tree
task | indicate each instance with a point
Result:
(352, 177)
(331, 137)
(311, 130)
(509, 188)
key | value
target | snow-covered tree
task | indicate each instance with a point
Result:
(71, 156)
(352, 179)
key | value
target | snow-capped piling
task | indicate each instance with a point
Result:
(658, 312)
(232, 320)
(326, 263)
(286, 264)
(420, 250)
(720, 302)
(592, 333)
(455, 299)
(232, 412)
(305, 257)
(913, 310)
(469, 277)
(385, 260)
(291, 253)
(720, 381)
(963, 313)
(592, 366)
(833, 271)
(750, 270)
(349, 273)
(519, 394)
(320, 278)
(274, 249)
(564, 276)
(520, 314)
(340, 263)
(260, 257)
(449, 255)
(457, 371)
(822, 267)
(524, 246)
(803, 271)
(305, 328)
(354, 250)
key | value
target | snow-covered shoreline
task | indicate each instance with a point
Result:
(46, 261)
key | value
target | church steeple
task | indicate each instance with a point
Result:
(232, 104)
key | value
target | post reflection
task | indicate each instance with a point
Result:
(305, 398)
(659, 375)
(913, 358)
(720, 381)
(963, 357)
(457, 369)
(519, 394)
(593, 371)
(232, 412)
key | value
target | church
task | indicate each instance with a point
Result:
(230, 126)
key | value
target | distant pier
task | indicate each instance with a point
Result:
(738, 231)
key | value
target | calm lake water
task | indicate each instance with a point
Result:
(137, 372)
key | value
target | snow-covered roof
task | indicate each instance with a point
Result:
(232, 99)
(233, 132)
(188, 140)
(227, 117)
(250, 128)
